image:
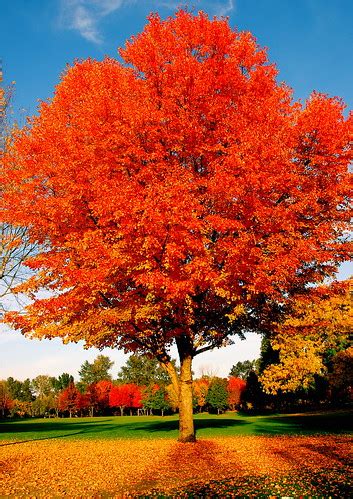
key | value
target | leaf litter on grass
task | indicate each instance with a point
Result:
(229, 466)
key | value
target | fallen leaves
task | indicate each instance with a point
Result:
(116, 468)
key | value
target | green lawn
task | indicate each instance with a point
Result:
(229, 424)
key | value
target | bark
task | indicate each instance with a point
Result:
(186, 420)
(169, 367)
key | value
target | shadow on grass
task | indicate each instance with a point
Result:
(308, 424)
(67, 429)
(60, 429)
(302, 424)
(173, 425)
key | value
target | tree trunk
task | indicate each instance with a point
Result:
(186, 420)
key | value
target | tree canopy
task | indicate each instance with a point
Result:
(180, 196)
(143, 371)
(98, 370)
(319, 327)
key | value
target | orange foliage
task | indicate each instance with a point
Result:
(180, 196)
(188, 185)
(200, 388)
(71, 400)
(131, 467)
(125, 396)
(236, 387)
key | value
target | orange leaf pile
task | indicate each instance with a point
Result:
(116, 468)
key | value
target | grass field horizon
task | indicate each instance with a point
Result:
(158, 427)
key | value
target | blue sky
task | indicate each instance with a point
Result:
(311, 42)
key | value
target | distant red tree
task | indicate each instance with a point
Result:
(6, 402)
(236, 387)
(125, 396)
(103, 389)
(71, 400)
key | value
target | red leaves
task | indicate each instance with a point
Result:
(125, 396)
(236, 387)
(172, 193)
(71, 400)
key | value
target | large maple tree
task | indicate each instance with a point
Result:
(180, 196)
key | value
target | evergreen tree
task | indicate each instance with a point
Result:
(96, 371)
(217, 396)
(242, 369)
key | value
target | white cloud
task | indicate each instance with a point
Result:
(218, 8)
(85, 16)
(224, 8)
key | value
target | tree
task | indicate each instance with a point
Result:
(182, 196)
(341, 378)
(20, 390)
(143, 371)
(62, 382)
(235, 388)
(71, 400)
(15, 246)
(6, 401)
(97, 396)
(319, 326)
(156, 398)
(242, 369)
(125, 396)
(96, 371)
(254, 397)
(217, 395)
(42, 385)
(200, 389)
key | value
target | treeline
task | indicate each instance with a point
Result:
(143, 388)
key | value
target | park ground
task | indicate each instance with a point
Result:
(259, 456)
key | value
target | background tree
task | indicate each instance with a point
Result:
(341, 377)
(242, 369)
(96, 371)
(62, 381)
(200, 389)
(42, 385)
(20, 390)
(217, 395)
(254, 398)
(155, 398)
(182, 196)
(15, 246)
(319, 326)
(6, 401)
(236, 388)
(46, 400)
(126, 396)
(71, 400)
(143, 371)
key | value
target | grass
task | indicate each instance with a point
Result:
(153, 427)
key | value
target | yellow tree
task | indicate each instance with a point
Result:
(318, 323)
